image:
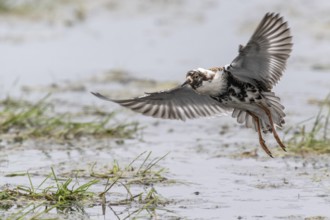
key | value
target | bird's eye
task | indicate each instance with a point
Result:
(195, 77)
(190, 73)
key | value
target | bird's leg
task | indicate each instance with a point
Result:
(261, 140)
(277, 138)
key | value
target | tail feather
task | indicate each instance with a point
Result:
(241, 117)
(275, 107)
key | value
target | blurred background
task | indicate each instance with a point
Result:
(122, 48)
(45, 41)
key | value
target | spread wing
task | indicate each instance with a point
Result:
(262, 61)
(178, 103)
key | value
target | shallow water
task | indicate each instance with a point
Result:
(162, 41)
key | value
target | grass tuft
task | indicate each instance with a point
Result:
(63, 194)
(142, 174)
(31, 199)
(22, 120)
(314, 139)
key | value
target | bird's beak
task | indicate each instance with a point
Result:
(188, 81)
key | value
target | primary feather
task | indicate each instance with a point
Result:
(262, 61)
(178, 103)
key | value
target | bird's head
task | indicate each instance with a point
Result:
(196, 77)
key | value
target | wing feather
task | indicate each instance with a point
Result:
(262, 61)
(179, 103)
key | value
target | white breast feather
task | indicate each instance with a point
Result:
(214, 87)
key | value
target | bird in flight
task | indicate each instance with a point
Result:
(241, 88)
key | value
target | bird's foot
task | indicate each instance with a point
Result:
(265, 148)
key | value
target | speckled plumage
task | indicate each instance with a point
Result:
(242, 88)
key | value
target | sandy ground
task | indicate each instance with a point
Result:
(225, 173)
